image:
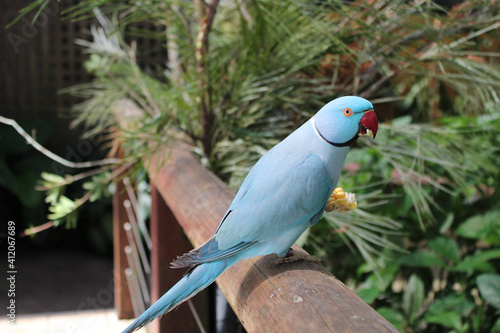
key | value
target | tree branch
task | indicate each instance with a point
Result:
(34, 230)
(53, 156)
(206, 14)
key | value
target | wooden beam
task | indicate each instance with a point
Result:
(297, 297)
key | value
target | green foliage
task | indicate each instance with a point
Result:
(450, 299)
(413, 298)
(376, 283)
(489, 287)
(65, 210)
(450, 312)
(37, 3)
(98, 187)
(485, 227)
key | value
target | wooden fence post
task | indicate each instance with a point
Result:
(123, 301)
(169, 241)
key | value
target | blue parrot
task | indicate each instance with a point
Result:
(285, 193)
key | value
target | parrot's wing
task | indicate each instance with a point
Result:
(271, 200)
(207, 252)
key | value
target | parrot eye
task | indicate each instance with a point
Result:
(347, 112)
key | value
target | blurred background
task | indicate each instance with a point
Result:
(58, 270)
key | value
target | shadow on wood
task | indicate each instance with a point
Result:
(168, 241)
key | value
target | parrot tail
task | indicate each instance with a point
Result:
(195, 280)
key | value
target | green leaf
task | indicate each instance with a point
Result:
(413, 297)
(448, 319)
(98, 186)
(368, 294)
(54, 194)
(393, 316)
(449, 310)
(496, 327)
(377, 283)
(478, 262)
(27, 9)
(446, 248)
(458, 303)
(52, 178)
(447, 223)
(422, 259)
(95, 64)
(62, 208)
(489, 287)
(485, 227)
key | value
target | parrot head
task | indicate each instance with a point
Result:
(344, 119)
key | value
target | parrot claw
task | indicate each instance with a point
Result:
(341, 201)
(293, 255)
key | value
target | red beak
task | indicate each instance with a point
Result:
(368, 124)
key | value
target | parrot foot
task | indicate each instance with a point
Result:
(341, 201)
(292, 256)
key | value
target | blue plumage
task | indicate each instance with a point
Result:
(284, 193)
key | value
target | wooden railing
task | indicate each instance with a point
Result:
(296, 297)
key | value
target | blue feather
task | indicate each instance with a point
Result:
(192, 283)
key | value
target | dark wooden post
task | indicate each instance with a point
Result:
(123, 302)
(169, 241)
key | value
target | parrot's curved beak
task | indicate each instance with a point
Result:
(368, 124)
